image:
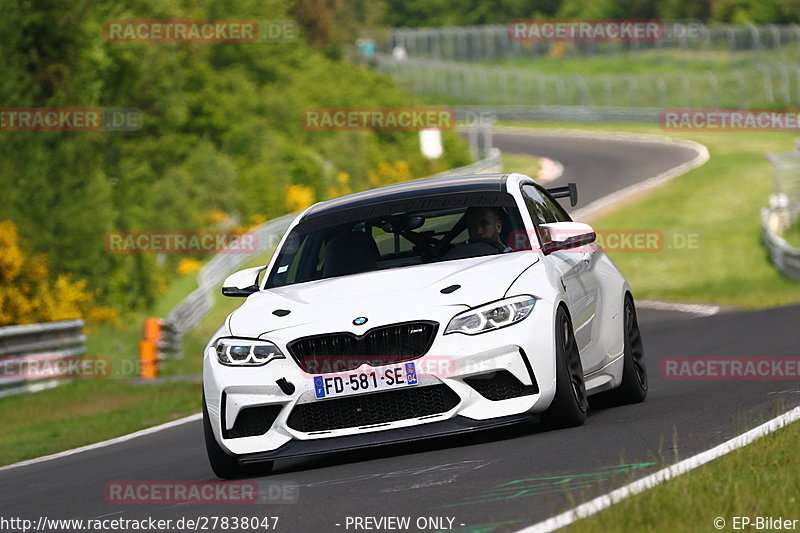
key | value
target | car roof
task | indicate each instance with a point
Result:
(412, 189)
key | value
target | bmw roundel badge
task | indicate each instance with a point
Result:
(360, 321)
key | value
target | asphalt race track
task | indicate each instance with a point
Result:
(499, 480)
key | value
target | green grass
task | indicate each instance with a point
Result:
(91, 410)
(522, 163)
(650, 62)
(761, 479)
(718, 204)
(122, 341)
(81, 413)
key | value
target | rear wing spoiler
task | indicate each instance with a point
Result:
(571, 191)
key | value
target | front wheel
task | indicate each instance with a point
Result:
(569, 405)
(224, 465)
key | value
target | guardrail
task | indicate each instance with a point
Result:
(469, 114)
(783, 212)
(784, 256)
(55, 341)
(495, 42)
(756, 86)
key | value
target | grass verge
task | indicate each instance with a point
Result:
(761, 479)
(522, 163)
(664, 62)
(91, 410)
(710, 246)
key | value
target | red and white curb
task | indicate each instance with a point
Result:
(614, 199)
(549, 170)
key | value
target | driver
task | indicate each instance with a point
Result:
(485, 223)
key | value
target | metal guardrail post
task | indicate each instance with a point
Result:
(21, 345)
(783, 211)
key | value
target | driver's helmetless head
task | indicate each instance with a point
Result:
(483, 222)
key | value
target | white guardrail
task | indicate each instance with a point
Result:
(48, 343)
(783, 212)
(775, 219)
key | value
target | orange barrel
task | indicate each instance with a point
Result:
(152, 329)
(148, 359)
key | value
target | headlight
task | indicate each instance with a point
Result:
(246, 352)
(492, 316)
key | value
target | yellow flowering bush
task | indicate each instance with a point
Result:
(188, 265)
(298, 197)
(29, 293)
(389, 174)
(341, 186)
(215, 216)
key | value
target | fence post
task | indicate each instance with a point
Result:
(687, 102)
(712, 81)
(767, 77)
(740, 82)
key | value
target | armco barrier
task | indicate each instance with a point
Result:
(785, 257)
(57, 340)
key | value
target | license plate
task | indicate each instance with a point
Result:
(358, 382)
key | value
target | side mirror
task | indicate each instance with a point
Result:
(566, 235)
(242, 283)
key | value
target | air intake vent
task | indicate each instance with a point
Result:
(252, 421)
(500, 385)
(369, 409)
(384, 345)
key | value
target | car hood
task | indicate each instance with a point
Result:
(380, 295)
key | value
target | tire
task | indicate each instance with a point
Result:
(569, 405)
(633, 388)
(226, 466)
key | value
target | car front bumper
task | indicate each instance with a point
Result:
(524, 350)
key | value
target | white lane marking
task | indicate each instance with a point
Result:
(648, 482)
(110, 442)
(692, 309)
(592, 210)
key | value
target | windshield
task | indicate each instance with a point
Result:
(396, 235)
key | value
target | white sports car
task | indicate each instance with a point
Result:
(414, 311)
